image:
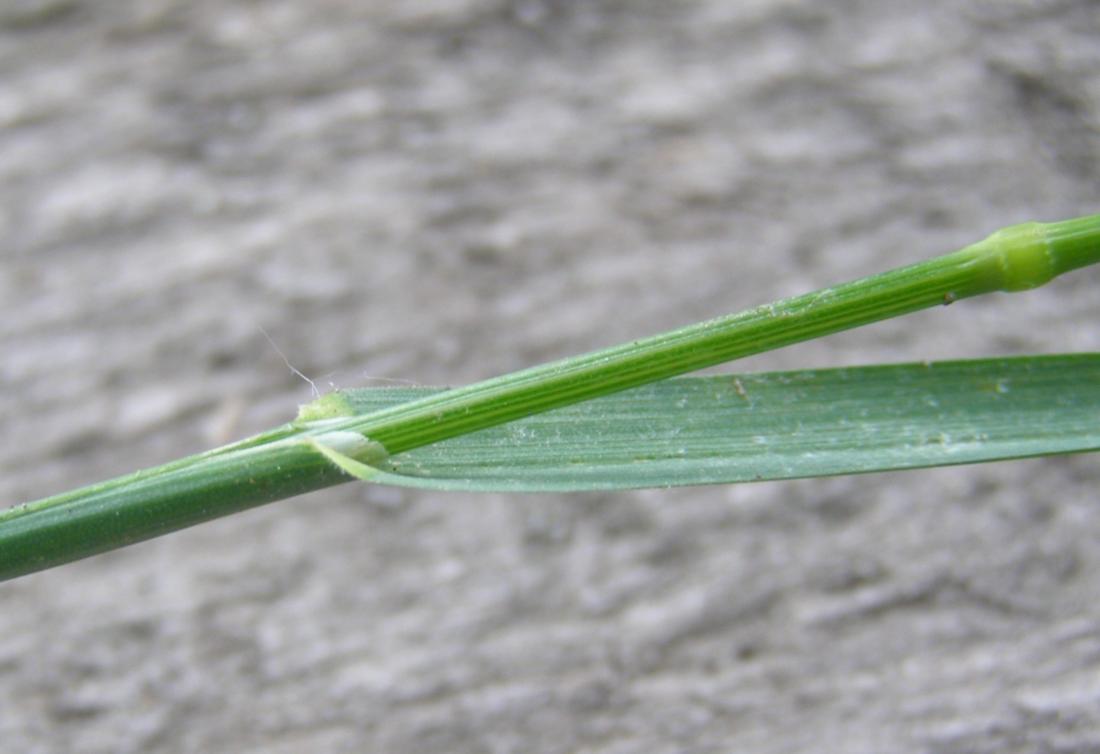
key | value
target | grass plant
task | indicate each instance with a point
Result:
(613, 419)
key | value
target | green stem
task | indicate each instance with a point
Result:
(278, 464)
(1022, 256)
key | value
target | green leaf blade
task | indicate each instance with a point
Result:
(782, 425)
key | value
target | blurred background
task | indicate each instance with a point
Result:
(437, 192)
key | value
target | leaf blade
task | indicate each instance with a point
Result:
(782, 425)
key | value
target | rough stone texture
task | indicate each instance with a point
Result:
(439, 191)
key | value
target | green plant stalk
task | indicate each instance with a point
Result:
(286, 462)
(1015, 258)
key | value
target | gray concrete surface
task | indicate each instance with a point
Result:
(440, 191)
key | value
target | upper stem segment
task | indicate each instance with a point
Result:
(1018, 257)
